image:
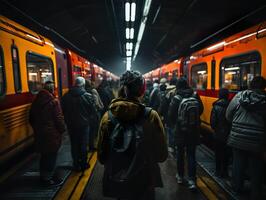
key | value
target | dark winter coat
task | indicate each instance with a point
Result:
(247, 112)
(190, 137)
(155, 99)
(156, 147)
(47, 121)
(79, 108)
(218, 121)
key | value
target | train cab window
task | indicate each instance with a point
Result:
(237, 72)
(16, 69)
(199, 76)
(40, 70)
(2, 73)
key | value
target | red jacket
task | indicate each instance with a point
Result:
(47, 121)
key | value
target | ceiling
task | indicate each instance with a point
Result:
(96, 28)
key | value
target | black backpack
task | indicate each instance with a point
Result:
(127, 168)
(188, 113)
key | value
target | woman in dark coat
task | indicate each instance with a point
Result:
(47, 121)
(222, 129)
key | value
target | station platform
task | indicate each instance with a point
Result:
(22, 183)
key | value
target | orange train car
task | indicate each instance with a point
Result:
(231, 63)
(27, 59)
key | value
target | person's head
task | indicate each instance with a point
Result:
(79, 82)
(88, 85)
(258, 83)
(132, 85)
(163, 81)
(223, 93)
(49, 86)
(173, 81)
(182, 83)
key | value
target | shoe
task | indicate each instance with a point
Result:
(192, 185)
(179, 179)
(51, 182)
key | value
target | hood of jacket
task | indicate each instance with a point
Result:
(253, 100)
(125, 109)
(185, 93)
(221, 102)
(77, 91)
(44, 97)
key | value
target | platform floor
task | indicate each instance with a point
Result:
(170, 191)
(24, 184)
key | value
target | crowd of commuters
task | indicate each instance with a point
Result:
(136, 130)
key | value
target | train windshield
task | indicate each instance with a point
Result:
(199, 76)
(237, 72)
(40, 70)
(2, 77)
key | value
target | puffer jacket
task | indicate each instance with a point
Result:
(129, 110)
(218, 121)
(247, 112)
(47, 121)
(183, 138)
(78, 108)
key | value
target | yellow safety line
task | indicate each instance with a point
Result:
(83, 182)
(14, 169)
(206, 191)
(72, 181)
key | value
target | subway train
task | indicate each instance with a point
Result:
(27, 60)
(231, 63)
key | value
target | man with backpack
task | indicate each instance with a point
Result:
(131, 143)
(247, 112)
(184, 111)
(79, 111)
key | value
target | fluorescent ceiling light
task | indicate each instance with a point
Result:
(129, 53)
(129, 46)
(127, 33)
(128, 66)
(231, 68)
(132, 33)
(202, 72)
(133, 12)
(147, 7)
(127, 11)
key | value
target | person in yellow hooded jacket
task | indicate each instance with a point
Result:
(127, 108)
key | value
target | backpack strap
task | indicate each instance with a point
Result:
(147, 112)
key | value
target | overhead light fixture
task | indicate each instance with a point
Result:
(128, 66)
(127, 33)
(147, 7)
(231, 68)
(132, 33)
(127, 11)
(144, 18)
(133, 12)
(129, 46)
(129, 53)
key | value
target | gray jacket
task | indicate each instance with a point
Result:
(247, 112)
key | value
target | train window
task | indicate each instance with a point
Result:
(237, 72)
(40, 70)
(2, 73)
(199, 76)
(16, 68)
